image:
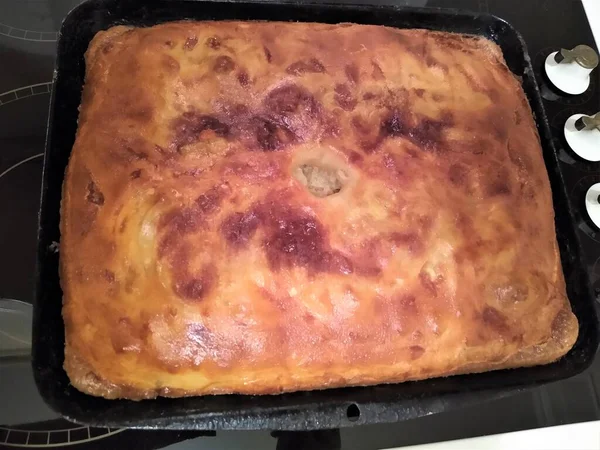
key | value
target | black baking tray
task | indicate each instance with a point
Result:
(303, 410)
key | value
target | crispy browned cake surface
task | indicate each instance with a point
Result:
(268, 207)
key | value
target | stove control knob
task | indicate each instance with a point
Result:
(569, 70)
(592, 203)
(583, 136)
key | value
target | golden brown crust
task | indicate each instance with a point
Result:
(206, 249)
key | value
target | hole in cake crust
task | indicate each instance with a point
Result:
(321, 180)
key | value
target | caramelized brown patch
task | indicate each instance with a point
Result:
(344, 98)
(196, 287)
(296, 239)
(291, 98)
(188, 128)
(135, 174)
(419, 92)
(213, 42)
(94, 195)
(134, 154)
(178, 222)
(268, 55)
(223, 64)
(210, 201)
(352, 73)
(427, 133)
(293, 238)
(497, 182)
(355, 157)
(243, 78)
(416, 351)
(238, 228)
(377, 73)
(271, 135)
(109, 275)
(410, 240)
(124, 336)
(106, 48)
(457, 174)
(361, 125)
(190, 43)
(170, 64)
(311, 65)
(495, 319)
(428, 283)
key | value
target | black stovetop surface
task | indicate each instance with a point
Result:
(28, 32)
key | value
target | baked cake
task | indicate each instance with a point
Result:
(256, 208)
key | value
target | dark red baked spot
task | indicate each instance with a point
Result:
(431, 62)
(518, 117)
(268, 54)
(135, 154)
(416, 351)
(243, 78)
(344, 98)
(213, 42)
(369, 96)
(178, 222)
(130, 279)
(437, 97)
(457, 174)
(429, 284)
(190, 43)
(271, 135)
(196, 287)
(377, 73)
(223, 64)
(410, 240)
(497, 182)
(498, 188)
(291, 98)
(238, 228)
(408, 303)
(190, 125)
(395, 124)
(109, 275)
(311, 65)
(170, 64)
(494, 319)
(352, 73)
(106, 48)
(497, 124)
(419, 92)
(94, 195)
(427, 133)
(355, 157)
(135, 174)
(169, 44)
(293, 238)
(210, 201)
